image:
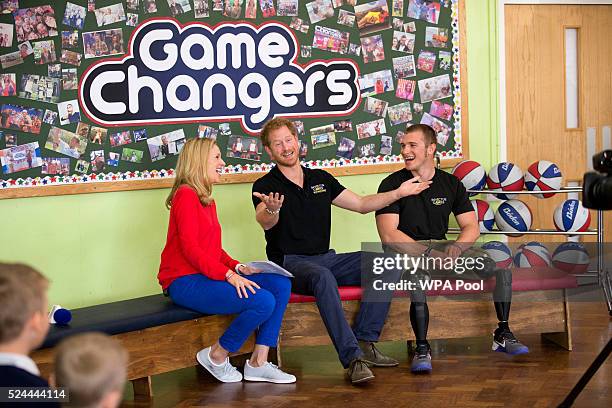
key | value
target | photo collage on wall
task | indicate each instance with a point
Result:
(407, 53)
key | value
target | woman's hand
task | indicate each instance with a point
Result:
(247, 270)
(242, 284)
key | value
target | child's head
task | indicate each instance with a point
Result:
(23, 307)
(93, 368)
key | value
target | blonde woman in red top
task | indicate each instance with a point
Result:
(198, 274)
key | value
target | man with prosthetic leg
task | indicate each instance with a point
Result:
(415, 225)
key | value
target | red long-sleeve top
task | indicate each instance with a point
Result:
(193, 244)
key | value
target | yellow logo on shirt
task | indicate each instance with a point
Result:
(438, 201)
(318, 188)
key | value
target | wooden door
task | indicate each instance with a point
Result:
(535, 92)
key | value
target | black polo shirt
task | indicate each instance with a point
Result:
(425, 216)
(304, 223)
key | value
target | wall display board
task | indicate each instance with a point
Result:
(101, 95)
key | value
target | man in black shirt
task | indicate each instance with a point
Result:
(293, 206)
(425, 218)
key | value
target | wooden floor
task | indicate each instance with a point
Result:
(466, 374)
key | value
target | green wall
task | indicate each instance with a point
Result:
(103, 247)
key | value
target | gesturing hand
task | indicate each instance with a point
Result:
(412, 187)
(242, 284)
(248, 270)
(273, 201)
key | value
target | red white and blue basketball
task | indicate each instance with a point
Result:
(532, 254)
(571, 216)
(506, 177)
(486, 217)
(471, 174)
(543, 176)
(571, 257)
(513, 216)
(500, 253)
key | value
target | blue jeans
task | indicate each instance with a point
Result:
(320, 275)
(262, 311)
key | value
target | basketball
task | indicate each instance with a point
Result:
(513, 216)
(500, 253)
(531, 254)
(543, 176)
(571, 257)
(506, 177)
(571, 216)
(471, 174)
(486, 217)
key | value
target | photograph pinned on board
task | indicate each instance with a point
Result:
(132, 19)
(178, 7)
(436, 37)
(35, 23)
(70, 39)
(403, 42)
(139, 135)
(150, 7)
(438, 87)
(345, 148)
(233, 8)
(267, 8)
(54, 71)
(444, 58)
(306, 51)
(81, 166)
(400, 113)
(319, 130)
(201, 8)
(344, 125)
(287, 7)
(113, 159)
(50, 117)
(11, 59)
(403, 67)
(319, 10)
(96, 159)
(405, 89)
(165, 145)
(6, 35)
(65, 142)
(367, 150)
(103, 43)
(399, 25)
(296, 23)
(375, 106)
(19, 158)
(207, 132)
(10, 139)
(130, 5)
(69, 79)
(398, 137)
(109, 14)
(373, 16)
(250, 10)
(25, 49)
(372, 128)
(120, 138)
(417, 107)
(373, 48)
(442, 129)
(225, 129)
(8, 6)
(299, 127)
(303, 149)
(329, 39)
(244, 147)
(354, 49)
(441, 110)
(386, 145)
(376, 83)
(98, 135)
(82, 130)
(323, 140)
(346, 18)
(21, 118)
(55, 166)
(91, 5)
(69, 112)
(132, 155)
(426, 61)
(428, 10)
(397, 8)
(44, 52)
(74, 15)
(8, 85)
(71, 57)
(337, 3)
(217, 5)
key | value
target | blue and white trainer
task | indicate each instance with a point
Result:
(505, 342)
(268, 373)
(421, 362)
(224, 372)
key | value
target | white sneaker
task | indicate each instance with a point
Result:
(224, 372)
(267, 372)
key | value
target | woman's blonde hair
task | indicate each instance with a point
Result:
(191, 170)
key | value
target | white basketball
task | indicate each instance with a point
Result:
(486, 217)
(543, 176)
(571, 216)
(471, 174)
(500, 253)
(513, 216)
(506, 177)
(532, 254)
(571, 257)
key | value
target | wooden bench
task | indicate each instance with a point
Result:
(163, 337)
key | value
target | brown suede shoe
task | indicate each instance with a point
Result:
(374, 357)
(358, 372)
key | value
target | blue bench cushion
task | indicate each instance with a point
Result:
(121, 317)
